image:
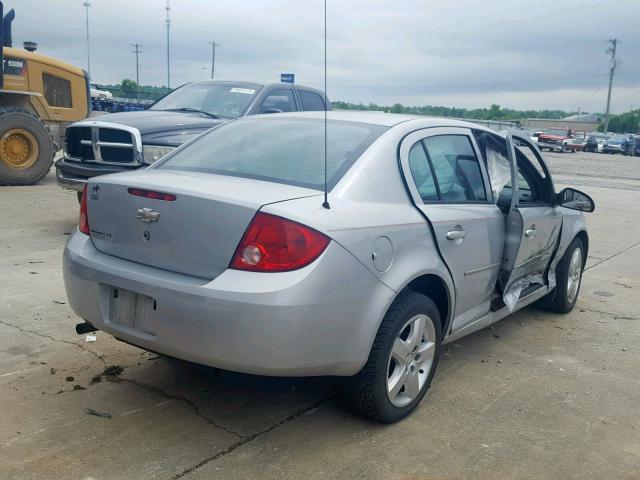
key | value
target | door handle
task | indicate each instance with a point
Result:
(456, 234)
(530, 232)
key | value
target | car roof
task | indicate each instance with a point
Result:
(254, 84)
(376, 118)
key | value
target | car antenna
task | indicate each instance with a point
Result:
(325, 204)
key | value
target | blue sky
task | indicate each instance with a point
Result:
(519, 54)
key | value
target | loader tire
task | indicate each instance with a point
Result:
(26, 147)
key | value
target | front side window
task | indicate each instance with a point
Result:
(280, 100)
(281, 150)
(498, 167)
(456, 168)
(311, 101)
(57, 91)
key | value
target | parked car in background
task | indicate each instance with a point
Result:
(555, 140)
(224, 252)
(577, 143)
(534, 135)
(591, 144)
(632, 145)
(600, 139)
(128, 141)
(614, 144)
(100, 94)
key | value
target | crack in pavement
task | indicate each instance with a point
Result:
(249, 438)
(612, 256)
(44, 335)
(186, 400)
(615, 317)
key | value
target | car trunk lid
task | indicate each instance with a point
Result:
(194, 231)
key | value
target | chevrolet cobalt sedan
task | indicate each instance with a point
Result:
(225, 252)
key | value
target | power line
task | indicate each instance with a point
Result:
(612, 71)
(137, 50)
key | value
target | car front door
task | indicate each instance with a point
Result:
(450, 186)
(533, 222)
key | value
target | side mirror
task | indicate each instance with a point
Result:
(576, 200)
(272, 110)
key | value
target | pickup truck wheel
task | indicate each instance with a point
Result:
(401, 363)
(26, 147)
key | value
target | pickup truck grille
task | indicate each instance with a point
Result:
(100, 142)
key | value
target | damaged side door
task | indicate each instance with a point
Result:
(533, 223)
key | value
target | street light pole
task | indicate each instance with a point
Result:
(213, 57)
(87, 5)
(168, 24)
(614, 65)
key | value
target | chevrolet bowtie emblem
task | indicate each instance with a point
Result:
(147, 215)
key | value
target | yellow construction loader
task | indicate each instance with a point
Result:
(39, 96)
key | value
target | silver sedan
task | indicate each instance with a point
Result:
(225, 252)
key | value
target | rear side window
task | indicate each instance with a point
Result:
(456, 168)
(281, 150)
(311, 100)
(57, 91)
(280, 100)
(422, 174)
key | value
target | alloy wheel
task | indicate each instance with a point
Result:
(575, 272)
(410, 360)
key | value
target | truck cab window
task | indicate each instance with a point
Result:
(57, 91)
(279, 99)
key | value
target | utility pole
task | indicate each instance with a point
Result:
(167, 22)
(137, 51)
(614, 65)
(87, 5)
(213, 56)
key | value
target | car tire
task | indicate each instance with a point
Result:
(102, 97)
(368, 392)
(568, 278)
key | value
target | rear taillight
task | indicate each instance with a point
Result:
(275, 244)
(83, 222)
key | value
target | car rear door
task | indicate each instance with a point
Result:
(533, 222)
(449, 185)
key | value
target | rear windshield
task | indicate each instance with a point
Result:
(282, 150)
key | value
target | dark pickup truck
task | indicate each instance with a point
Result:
(124, 141)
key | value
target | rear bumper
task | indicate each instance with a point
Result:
(74, 175)
(320, 320)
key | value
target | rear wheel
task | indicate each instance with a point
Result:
(26, 147)
(402, 361)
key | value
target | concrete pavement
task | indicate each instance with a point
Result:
(538, 396)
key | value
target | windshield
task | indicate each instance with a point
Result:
(283, 150)
(219, 99)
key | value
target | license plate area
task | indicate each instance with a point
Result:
(131, 310)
